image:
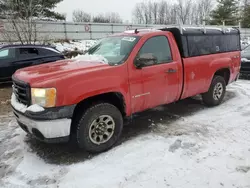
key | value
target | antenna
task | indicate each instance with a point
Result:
(136, 31)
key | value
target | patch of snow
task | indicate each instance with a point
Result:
(129, 31)
(17, 105)
(44, 18)
(209, 148)
(91, 58)
(11, 149)
(35, 108)
(23, 108)
(82, 45)
(51, 49)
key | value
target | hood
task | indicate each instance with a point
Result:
(55, 70)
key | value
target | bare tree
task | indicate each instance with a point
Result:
(194, 17)
(145, 9)
(150, 12)
(81, 16)
(143, 12)
(173, 14)
(100, 18)
(162, 12)
(204, 9)
(20, 19)
(110, 17)
(138, 14)
(184, 10)
(194, 12)
(166, 13)
(113, 17)
(155, 9)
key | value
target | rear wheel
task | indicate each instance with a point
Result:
(216, 92)
(99, 128)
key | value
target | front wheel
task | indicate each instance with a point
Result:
(216, 92)
(99, 128)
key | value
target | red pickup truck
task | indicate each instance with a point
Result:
(86, 99)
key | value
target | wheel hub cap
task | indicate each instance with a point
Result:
(101, 129)
(218, 91)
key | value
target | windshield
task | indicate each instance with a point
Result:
(115, 49)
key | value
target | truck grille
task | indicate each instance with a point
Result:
(21, 91)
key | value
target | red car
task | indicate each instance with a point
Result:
(85, 100)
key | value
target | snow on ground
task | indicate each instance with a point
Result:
(182, 145)
(80, 45)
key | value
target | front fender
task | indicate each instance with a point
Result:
(84, 86)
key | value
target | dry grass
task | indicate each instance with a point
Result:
(5, 95)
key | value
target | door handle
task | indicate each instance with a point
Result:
(171, 70)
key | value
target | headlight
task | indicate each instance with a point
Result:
(45, 97)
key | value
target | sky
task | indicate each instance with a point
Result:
(123, 7)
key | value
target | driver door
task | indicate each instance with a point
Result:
(160, 77)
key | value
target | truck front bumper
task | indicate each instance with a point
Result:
(51, 126)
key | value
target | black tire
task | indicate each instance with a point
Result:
(83, 125)
(208, 98)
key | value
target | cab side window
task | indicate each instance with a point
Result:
(28, 52)
(157, 47)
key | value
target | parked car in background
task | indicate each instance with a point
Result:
(86, 100)
(244, 44)
(14, 57)
(245, 61)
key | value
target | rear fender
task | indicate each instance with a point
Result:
(217, 65)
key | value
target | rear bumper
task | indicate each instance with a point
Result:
(51, 125)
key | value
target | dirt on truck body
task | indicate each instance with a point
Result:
(86, 100)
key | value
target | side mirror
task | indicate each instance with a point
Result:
(138, 63)
(145, 60)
